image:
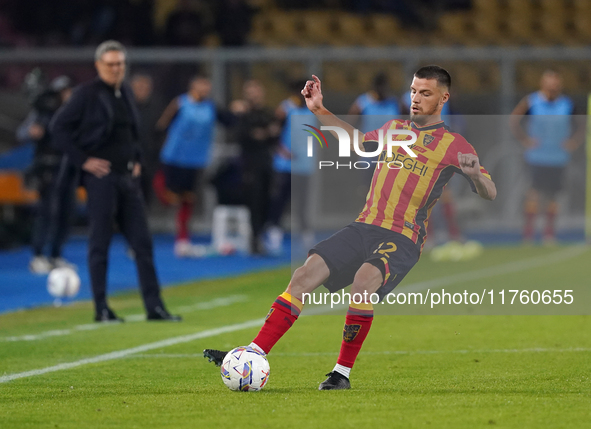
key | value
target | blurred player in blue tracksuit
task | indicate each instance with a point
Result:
(375, 107)
(190, 119)
(292, 167)
(550, 136)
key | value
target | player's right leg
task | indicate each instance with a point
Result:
(286, 308)
(530, 211)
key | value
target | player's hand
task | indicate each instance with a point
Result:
(469, 164)
(97, 166)
(239, 107)
(36, 131)
(529, 142)
(571, 145)
(312, 93)
(259, 134)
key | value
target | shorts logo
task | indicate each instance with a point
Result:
(269, 313)
(350, 332)
(428, 139)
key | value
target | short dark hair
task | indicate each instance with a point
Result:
(198, 76)
(435, 72)
(380, 79)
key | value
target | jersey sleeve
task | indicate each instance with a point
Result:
(461, 145)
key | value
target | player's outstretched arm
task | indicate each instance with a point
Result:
(470, 165)
(515, 124)
(312, 93)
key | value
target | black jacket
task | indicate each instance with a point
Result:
(85, 122)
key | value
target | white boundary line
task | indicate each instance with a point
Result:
(491, 271)
(147, 347)
(140, 349)
(207, 305)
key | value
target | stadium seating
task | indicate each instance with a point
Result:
(489, 22)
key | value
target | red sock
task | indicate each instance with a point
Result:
(282, 315)
(450, 218)
(182, 220)
(550, 220)
(159, 186)
(357, 325)
(531, 209)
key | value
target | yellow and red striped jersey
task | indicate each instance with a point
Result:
(401, 198)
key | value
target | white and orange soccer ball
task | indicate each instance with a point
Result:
(245, 369)
(63, 282)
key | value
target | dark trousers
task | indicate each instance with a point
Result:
(118, 197)
(280, 196)
(257, 181)
(285, 186)
(57, 199)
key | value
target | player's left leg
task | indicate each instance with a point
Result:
(530, 212)
(550, 228)
(367, 281)
(286, 309)
(184, 182)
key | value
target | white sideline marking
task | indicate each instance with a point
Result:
(385, 352)
(146, 347)
(214, 303)
(473, 275)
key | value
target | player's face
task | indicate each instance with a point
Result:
(254, 93)
(201, 88)
(111, 67)
(142, 88)
(427, 99)
(551, 85)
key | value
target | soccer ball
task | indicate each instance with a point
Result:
(62, 282)
(245, 369)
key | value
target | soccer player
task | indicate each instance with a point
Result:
(54, 176)
(447, 199)
(376, 104)
(190, 119)
(291, 165)
(548, 141)
(376, 251)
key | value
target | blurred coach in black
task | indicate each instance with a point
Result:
(98, 129)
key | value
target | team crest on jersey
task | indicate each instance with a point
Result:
(350, 332)
(428, 139)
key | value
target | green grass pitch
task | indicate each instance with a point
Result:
(415, 371)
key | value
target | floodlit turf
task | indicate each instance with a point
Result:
(414, 371)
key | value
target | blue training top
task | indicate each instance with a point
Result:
(376, 112)
(190, 134)
(295, 118)
(550, 125)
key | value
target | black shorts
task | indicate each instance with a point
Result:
(547, 180)
(181, 179)
(347, 250)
